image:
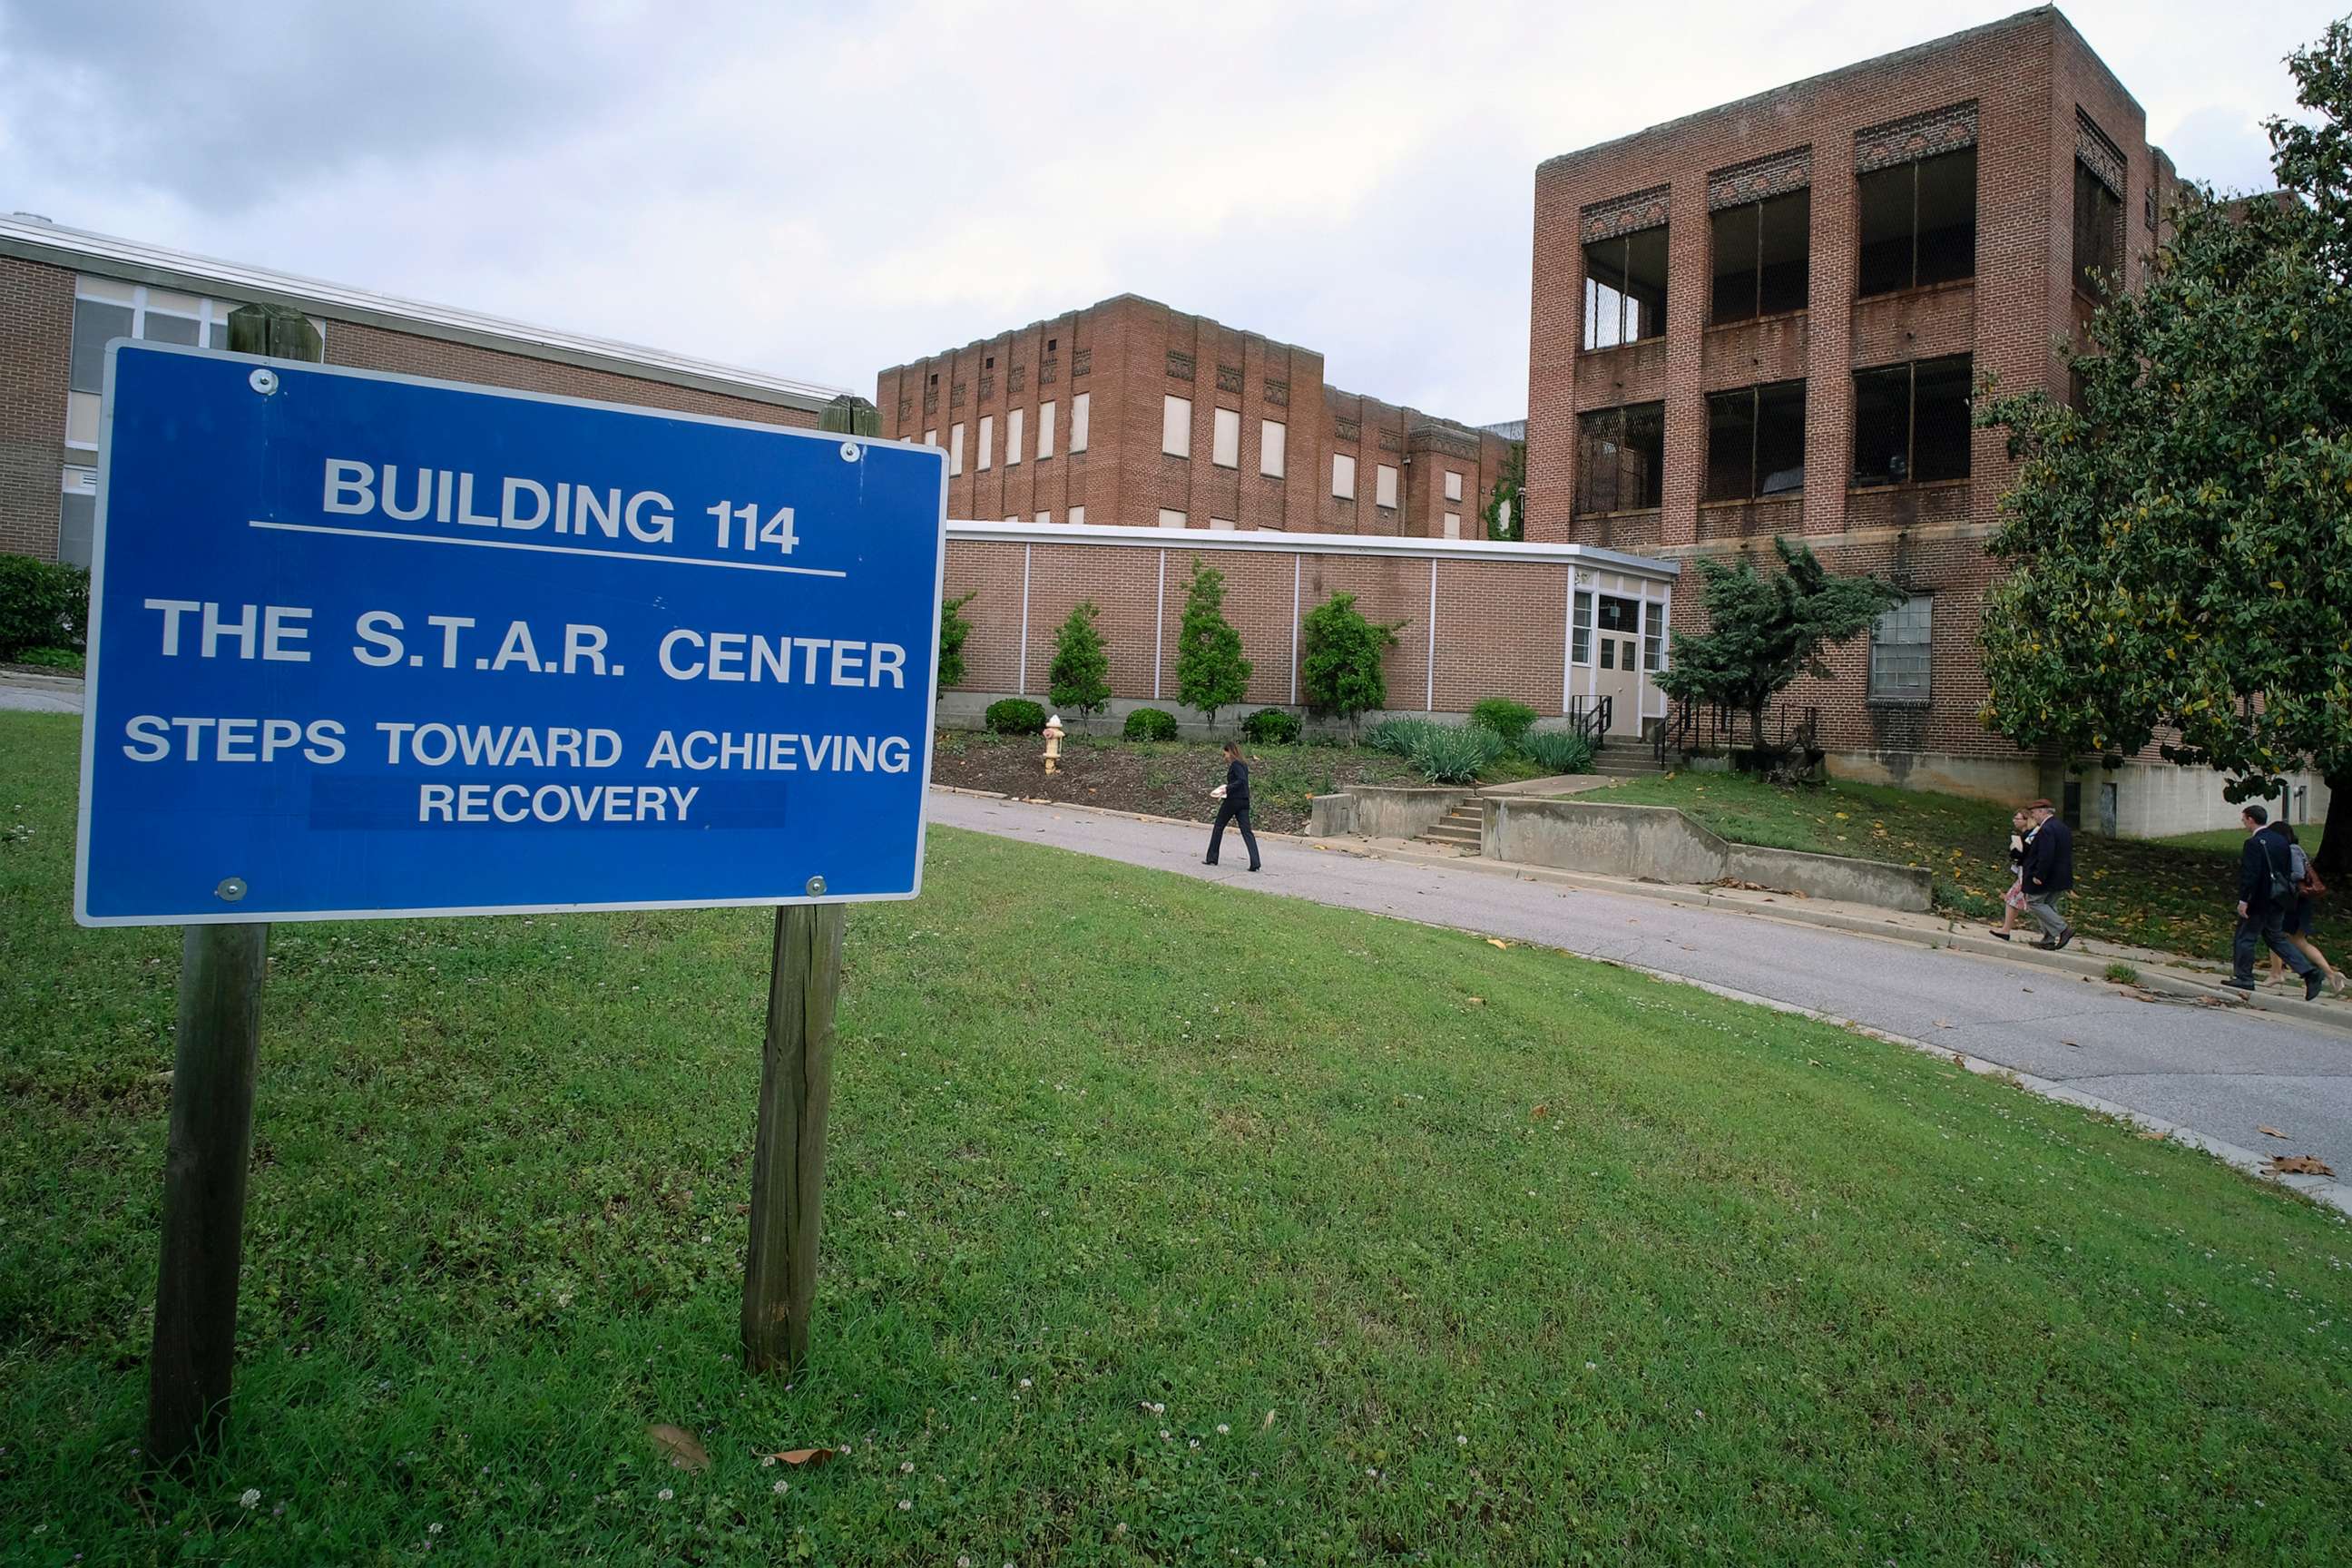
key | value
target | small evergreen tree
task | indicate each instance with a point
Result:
(953, 629)
(1339, 661)
(1505, 510)
(1079, 679)
(1764, 632)
(1211, 672)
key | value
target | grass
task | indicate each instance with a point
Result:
(1165, 1221)
(2157, 893)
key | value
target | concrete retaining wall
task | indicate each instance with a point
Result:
(1401, 811)
(1331, 815)
(1661, 843)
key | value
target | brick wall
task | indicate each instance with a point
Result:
(2031, 79)
(1130, 354)
(36, 301)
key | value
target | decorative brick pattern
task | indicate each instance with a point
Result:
(1624, 215)
(1179, 365)
(1915, 136)
(1347, 430)
(1775, 173)
(1081, 362)
(1229, 379)
(1278, 393)
(2098, 153)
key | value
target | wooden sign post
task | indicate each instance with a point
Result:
(215, 1060)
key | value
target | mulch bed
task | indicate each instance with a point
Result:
(1159, 780)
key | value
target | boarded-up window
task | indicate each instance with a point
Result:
(1225, 439)
(987, 439)
(1384, 485)
(1168, 519)
(955, 448)
(1273, 440)
(1343, 476)
(1620, 455)
(1012, 437)
(1453, 525)
(1453, 484)
(1045, 430)
(1176, 425)
(1078, 408)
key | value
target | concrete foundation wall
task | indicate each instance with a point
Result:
(1662, 844)
(2011, 780)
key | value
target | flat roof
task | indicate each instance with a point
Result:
(1406, 547)
(37, 239)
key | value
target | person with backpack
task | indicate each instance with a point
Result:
(2265, 889)
(2303, 912)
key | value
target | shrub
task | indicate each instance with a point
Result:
(1015, 716)
(1340, 660)
(1211, 672)
(1505, 718)
(1080, 676)
(1150, 724)
(1397, 737)
(1272, 727)
(51, 657)
(1558, 751)
(953, 629)
(1454, 754)
(43, 603)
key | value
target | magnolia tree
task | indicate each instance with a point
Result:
(1765, 630)
(2182, 533)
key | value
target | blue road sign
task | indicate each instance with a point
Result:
(365, 645)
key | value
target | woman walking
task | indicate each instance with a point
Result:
(1232, 804)
(2013, 902)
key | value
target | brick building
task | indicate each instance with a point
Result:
(65, 293)
(1128, 413)
(1769, 318)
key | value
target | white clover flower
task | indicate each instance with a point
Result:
(782, 1486)
(1222, 1429)
(1024, 1382)
(905, 1503)
(665, 1494)
(252, 1495)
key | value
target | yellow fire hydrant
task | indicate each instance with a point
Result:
(1053, 743)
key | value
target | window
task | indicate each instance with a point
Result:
(1176, 425)
(1224, 523)
(1385, 480)
(1078, 516)
(1619, 614)
(1762, 257)
(1625, 289)
(1343, 476)
(1012, 437)
(1579, 628)
(1756, 442)
(1918, 222)
(1044, 431)
(2098, 232)
(987, 439)
(1170, 519)
(955, 448)
(1911, 422)
(77, 517)
(1452, 485)
(1044, 518)
(1899, 647)
(1654, 636)
(1078, 406)
(1273, 437)
(930, 438)
(105, 309)
(1619, 455)
(1225, 440)
(1453, 525)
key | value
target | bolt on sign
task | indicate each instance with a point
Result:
(365, 645)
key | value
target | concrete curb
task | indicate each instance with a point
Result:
(60, 685)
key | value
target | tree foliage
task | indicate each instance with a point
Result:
(1765, 630)
(1506, 511)
(1211, 672)
(953, 629)
(1340, 660)
(2182, 536)
(1079, 677)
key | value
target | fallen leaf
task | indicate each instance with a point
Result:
(2269, 1131)
(2300, 1165)
(1959, 1058)
(2153, 1136)
(1944, 1024)
(1476, 1001)
(1540, 1111)
(685, 1450)
(811, 1456)
(2076, 1044)
(1496, 941)
(1267, 1422)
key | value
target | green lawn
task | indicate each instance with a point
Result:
(1167, 1222)
(2178, 895)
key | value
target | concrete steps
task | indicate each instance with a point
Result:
(1461, 830)
(1620, 758)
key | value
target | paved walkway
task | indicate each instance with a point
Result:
(39, 693)
(2223, 1073)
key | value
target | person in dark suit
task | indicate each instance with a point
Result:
(1232, 804)
(2261, 917)
(2049, 874)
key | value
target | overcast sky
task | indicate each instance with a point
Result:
(821, 191)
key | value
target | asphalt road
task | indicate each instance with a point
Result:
(2224, 1074)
